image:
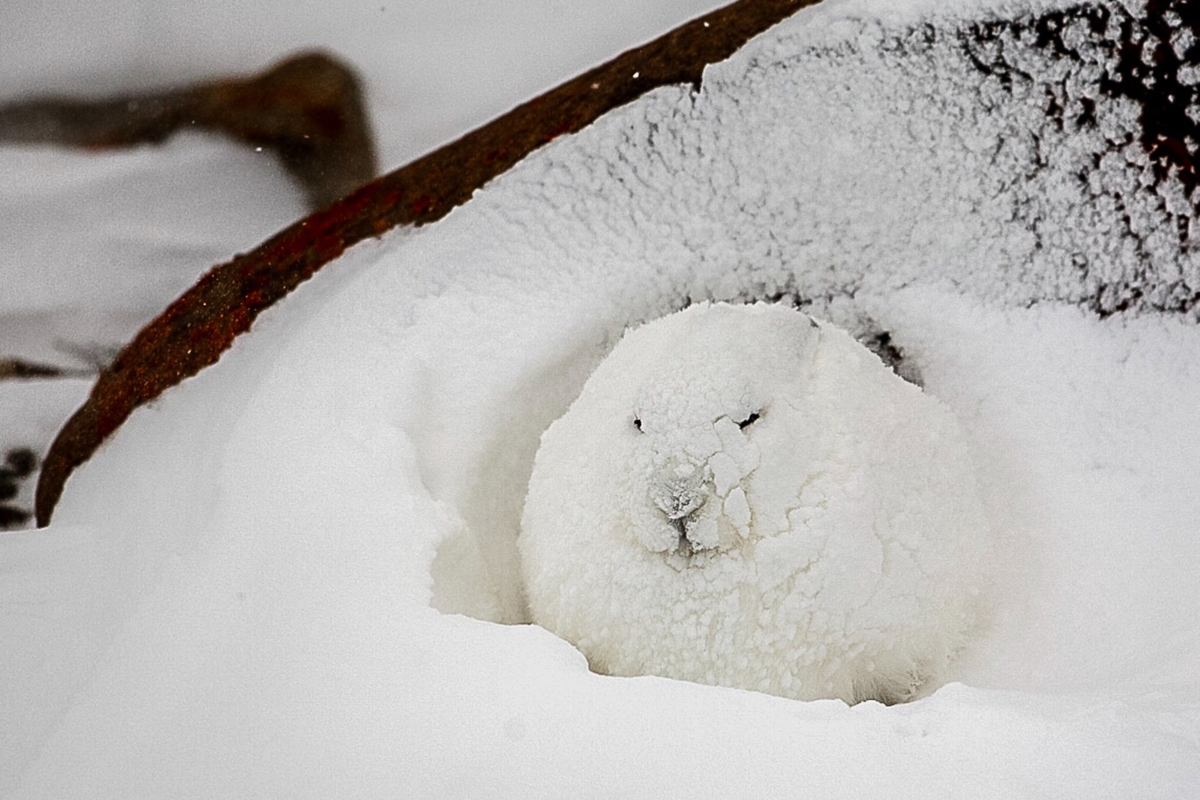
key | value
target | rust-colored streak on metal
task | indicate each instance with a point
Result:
(194, 331)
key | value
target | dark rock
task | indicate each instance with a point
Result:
(19, 464)
(21, 369)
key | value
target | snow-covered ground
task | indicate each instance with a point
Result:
(245, 592)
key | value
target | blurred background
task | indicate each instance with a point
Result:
(432, 68)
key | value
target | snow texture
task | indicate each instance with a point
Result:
(234, 599)
(744, 498)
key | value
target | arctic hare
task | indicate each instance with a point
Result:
(746, 497)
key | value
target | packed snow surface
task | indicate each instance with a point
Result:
(743, 497)
(235, 596)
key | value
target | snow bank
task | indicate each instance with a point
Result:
(235, 596)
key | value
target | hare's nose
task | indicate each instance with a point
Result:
(679, 502)
(679, 491)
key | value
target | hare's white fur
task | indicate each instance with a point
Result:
(743, 496)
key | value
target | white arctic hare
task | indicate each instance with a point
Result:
(743, 496)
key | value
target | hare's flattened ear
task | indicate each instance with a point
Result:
(806, 340)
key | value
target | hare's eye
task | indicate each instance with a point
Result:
(748, 421)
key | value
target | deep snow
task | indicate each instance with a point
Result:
(234, 599)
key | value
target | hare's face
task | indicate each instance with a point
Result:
(703, 421)
(740, 496)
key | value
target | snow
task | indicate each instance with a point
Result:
(95, 245)
(742, 497)
(235, 596)
(131, 230)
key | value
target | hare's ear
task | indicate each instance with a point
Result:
(805, 338)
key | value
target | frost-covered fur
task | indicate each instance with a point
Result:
(746, 497)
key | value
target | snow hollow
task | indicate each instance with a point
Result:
(291, 575)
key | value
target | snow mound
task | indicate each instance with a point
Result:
(744, 498)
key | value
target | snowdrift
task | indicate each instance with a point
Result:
(295, 574)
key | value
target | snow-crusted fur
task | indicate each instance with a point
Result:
(746, 497)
